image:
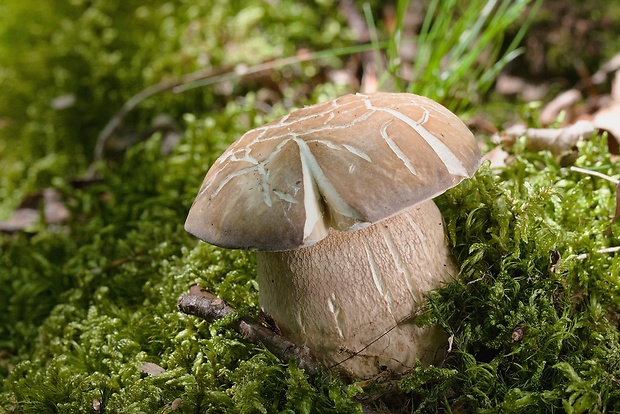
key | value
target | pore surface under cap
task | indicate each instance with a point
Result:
(345, 163)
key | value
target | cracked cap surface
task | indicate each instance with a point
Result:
(345, 163)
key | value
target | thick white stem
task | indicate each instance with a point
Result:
(350, 297)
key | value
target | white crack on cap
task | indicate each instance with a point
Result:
(345, 164)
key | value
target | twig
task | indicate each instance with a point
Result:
(584, 256)
(212, 76)
(211, 308)
(608, 178)
(595, 173)
(303, 56)
(166, 85)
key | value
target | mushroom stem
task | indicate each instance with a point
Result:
(352, 297)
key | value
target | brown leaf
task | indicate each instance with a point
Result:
(21, 220)
(554, 261)
(615, 87)
(562, 102)
(28, 215)
(517, 334)
(513, 85)
(608, 67)
(175, 404)
(54, 208)
(497, 156)
(608, 119)
(480, 123)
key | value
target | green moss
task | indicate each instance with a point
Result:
(85, 305)
(529, 334)
(89, 304)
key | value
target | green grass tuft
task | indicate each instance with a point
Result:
(459, 50)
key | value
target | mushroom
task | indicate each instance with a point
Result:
(336, 198)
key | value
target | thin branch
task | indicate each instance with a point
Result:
(211, 308)
(243, 70)
(584, 256)
(608, 178)
(212, 76)
(595, 173)
(163, 86)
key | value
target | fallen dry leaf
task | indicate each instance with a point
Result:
(612, 65)
(54, 208)
(608, 117)
(480, 123)
(497, 156)
(554, 261)
(22, 219)
(175, 404)
(28, 214)
(513, 85)
(562, 102)
(517, 334)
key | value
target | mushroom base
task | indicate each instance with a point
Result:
(352, 297)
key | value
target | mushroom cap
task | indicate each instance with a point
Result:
(345, 163)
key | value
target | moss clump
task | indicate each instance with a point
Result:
(534, 327)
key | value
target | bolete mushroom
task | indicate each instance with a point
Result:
(336, 198)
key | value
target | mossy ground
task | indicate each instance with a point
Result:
(84, 305)
(90, 302)
(534, 324)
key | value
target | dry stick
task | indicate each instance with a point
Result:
(166, 85)
(584, 256)
(302, 56)
(211, 308)
(608, 178)
(595, 173)
(211, 76)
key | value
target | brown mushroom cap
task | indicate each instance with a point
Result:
(345, 163)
